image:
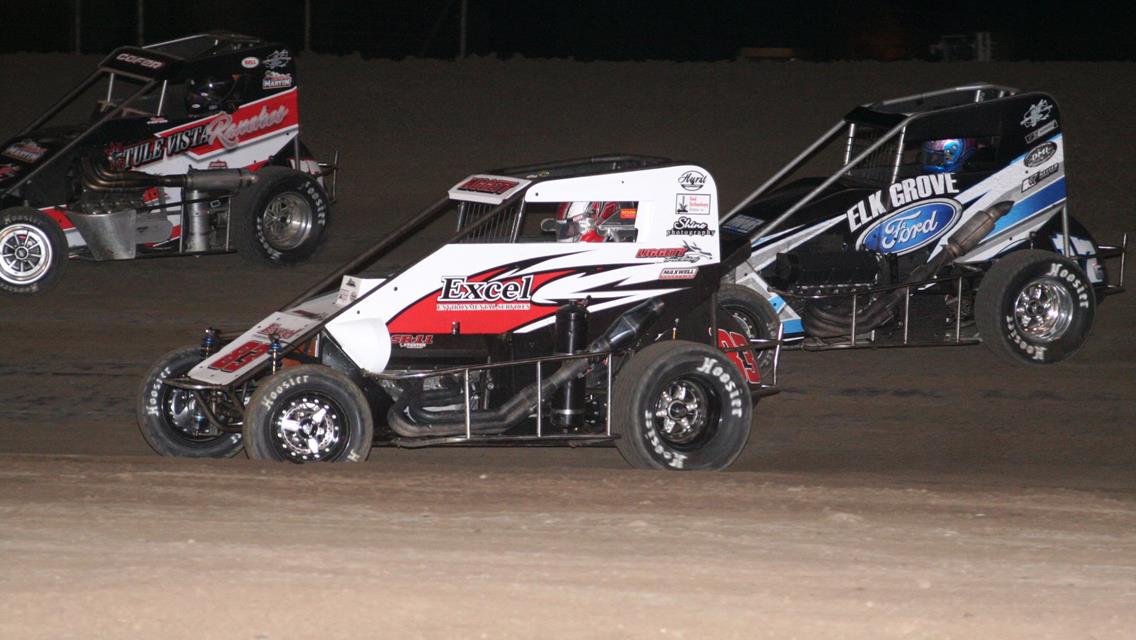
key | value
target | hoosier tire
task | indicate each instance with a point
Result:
(170, 420)
(33, 251)
(281, 219)
(681, 405)
(309, 413)
(1034, 307)
(756, 316)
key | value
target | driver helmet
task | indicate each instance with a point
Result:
(947, 155)
(579, 221)
(205, 96)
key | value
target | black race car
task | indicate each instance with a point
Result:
(944, 222)
(183, 147)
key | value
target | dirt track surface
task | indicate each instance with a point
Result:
(933, 493)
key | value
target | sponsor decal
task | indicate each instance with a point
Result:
(8, 170)
(157, 120)
(693, 205)
(687, 253)
(277, 59)
(145, 63)
(692, 180)
(1037, 113)
(685, 226)
(280, 330)
(250, 62)
(742, 223)
(1043, 130)
(911, 228)
(628, 213)
(461, 294)
(495, 186)
(218, 164)
(222, 130)
(25, 151)
(1041, 154)
(238, 358)
(899, 194)
(678, 273)
(276, 80)
(1036, 178)
(412, 341)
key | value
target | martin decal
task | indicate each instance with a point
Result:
(685, 226)
(901, 193)
(914, 227)
(1041, 154)
(275, 80)
(692, 204)
(1037, 114)
(461, 294)
(692, 180)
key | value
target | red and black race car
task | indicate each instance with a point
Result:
(183, 147)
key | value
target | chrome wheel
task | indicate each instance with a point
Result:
(287, 221)
(309, 427)
(1044, 310)
(186, 417)
(682, 411)
(25, 253)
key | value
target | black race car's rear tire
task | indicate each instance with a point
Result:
(282, 218)
(309, 413)
(757, 318)
(170, 420)
(33, 251)
(1034, 307)
(681, 405)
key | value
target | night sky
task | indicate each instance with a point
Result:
(596, 30)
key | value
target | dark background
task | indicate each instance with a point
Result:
(593, 29)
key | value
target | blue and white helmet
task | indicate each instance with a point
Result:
(947, 155)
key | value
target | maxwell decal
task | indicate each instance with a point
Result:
(914, 227)
(899, 194)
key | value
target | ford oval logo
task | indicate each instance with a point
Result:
(1041, 153)
(907, 230)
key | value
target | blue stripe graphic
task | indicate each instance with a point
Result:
(1039, 201)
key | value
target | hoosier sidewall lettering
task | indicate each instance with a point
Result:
(729, 404)
(1084, 305)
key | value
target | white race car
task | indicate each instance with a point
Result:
(578, 303)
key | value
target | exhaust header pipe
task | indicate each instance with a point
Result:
(410, 420)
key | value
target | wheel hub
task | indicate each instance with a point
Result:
(309, 428)
(681, 410)
(1043, 310)
(184, 414)
(25, 253)
(287, 221)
